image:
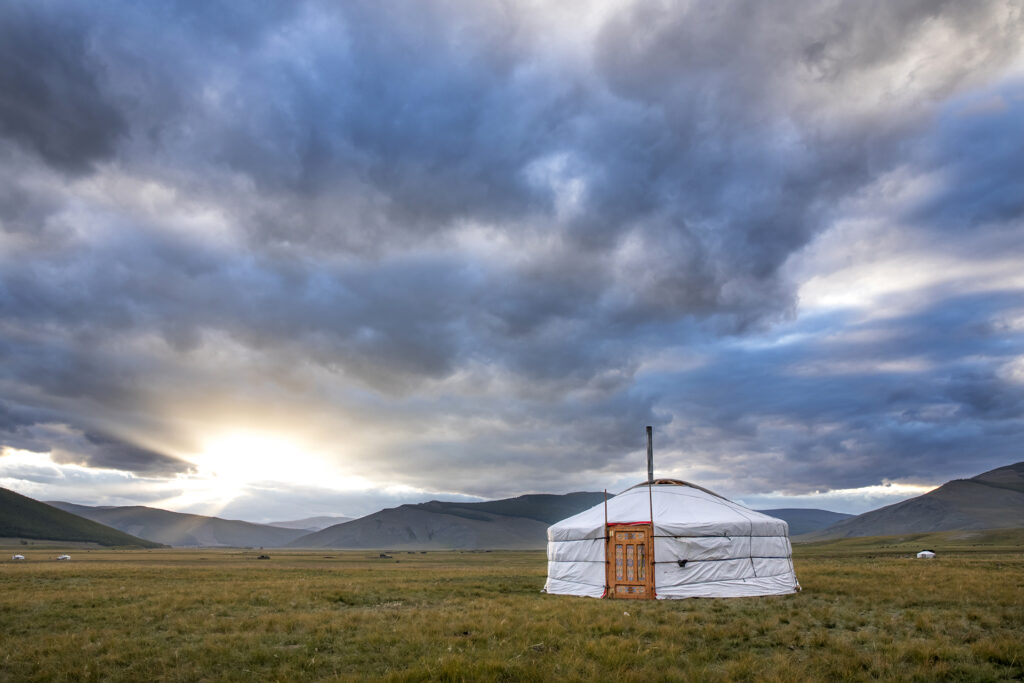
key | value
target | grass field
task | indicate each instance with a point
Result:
(867, 611)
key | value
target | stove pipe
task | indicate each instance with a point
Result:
(650, 455)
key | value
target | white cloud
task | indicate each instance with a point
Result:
(851, 501)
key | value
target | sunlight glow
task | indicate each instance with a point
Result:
(237, 463)
(247, 457)
(231, 462)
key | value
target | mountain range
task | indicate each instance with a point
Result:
(991, 500)
(511, 523)
(26, 518)
(311, 523)
(520, 522)
(805, 520)
(184, 530)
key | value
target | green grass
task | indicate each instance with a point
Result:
(866, 612)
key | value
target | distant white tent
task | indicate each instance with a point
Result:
(17, 557)
(925, 555)
(63, 557)
(700, 545)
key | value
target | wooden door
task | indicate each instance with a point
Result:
(630, 566)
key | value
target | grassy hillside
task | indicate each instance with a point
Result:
(1010, 477)
(23, 517)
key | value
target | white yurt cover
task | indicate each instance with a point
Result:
(730, 550)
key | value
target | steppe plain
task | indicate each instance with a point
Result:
(868, 610)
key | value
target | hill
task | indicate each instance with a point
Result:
(991, 500)
(805, 520)
(311, 523)
(24, 517)
(512, 523)
(542, 507)
(184, 530)
(981, 541)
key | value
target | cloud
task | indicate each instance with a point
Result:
(52, 99)
(976, 150)
(28, 430)
(844, 405)
(112, 453)
(454, 241)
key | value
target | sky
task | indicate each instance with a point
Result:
(273, 260)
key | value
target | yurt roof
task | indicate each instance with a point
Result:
(679, 509)
(676, 482)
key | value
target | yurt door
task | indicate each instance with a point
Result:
(630, 573)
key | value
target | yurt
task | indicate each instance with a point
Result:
(667, 538)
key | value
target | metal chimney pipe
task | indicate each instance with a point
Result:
(650, 455)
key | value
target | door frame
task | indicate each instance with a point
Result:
(638, 589)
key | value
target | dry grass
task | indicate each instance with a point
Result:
(867, 611)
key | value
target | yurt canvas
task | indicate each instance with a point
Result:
(699, 545)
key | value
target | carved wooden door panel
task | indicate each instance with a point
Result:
(630, 570)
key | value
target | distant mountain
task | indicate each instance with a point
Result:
(311, 523)
(992, 500)
(542, 507)
(24, 517)
(802, 521)
(511, 523)
(184, 530)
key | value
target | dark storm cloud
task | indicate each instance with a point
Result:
(25, 428)
(978, 148)
(460, 212)
(112, 453)
(51, 97)
(12, 417)
(893, 400)
(16, 422)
